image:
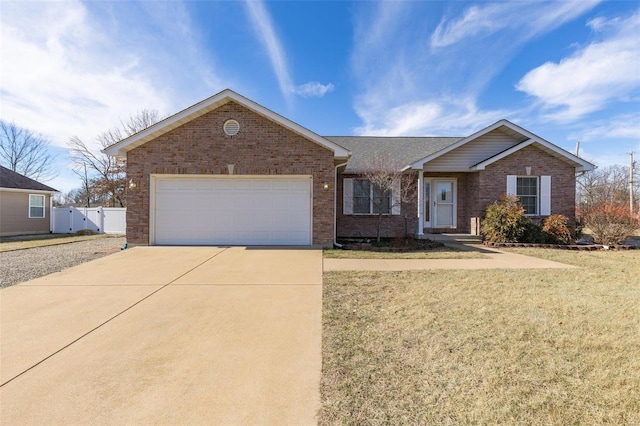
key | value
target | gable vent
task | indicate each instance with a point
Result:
(231, 127)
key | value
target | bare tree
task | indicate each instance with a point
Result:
(26, 152)
(607, 185)
(390, 187)
(104, 176)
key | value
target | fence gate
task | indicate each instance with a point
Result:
(68, 220)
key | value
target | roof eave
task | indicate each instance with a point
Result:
(43, 191)
(418, 165)
(579, 163)
(121, 148)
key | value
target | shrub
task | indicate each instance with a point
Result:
(556, 229)
(610, 223)
(504, 221)
(533, 232)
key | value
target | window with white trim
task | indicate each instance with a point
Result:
(369, 198)
(36, 206)
(362, 197)
(534, 193)
(527, 191)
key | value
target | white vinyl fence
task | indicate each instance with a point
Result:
(102, 220)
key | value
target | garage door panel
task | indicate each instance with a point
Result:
(233, 211)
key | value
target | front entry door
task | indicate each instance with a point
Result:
(444, 203)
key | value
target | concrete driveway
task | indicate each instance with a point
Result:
(166, 335)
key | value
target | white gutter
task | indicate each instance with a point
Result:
(335, 205)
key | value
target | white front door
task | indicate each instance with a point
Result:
(440, 203)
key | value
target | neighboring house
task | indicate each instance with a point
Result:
(228, 171)
(25, 204)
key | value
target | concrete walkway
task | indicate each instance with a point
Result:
(166, 335)
(495, 259)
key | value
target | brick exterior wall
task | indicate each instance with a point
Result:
(493, 180)
(365, 226)
(200, 146)
(475, 191)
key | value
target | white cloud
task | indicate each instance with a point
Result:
(267, 36)
(622, 127)
(430, 118)
(592, 77)
(416, 78)
(313, 89)
(70, 68)
(527, 18)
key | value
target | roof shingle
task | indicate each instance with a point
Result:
(400, 151)
(12, 180)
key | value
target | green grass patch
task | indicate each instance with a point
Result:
(486, 346)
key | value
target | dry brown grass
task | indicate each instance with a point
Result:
(442, 253)
(485, 347)
(10, 244)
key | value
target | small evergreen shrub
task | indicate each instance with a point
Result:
(555, 226)
(533, 233)
(504, 220)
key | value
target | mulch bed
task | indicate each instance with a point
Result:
(389, 245)
(585, 247)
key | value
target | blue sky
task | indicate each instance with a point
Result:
(566, 70)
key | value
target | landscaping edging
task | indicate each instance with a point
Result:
(563, 246)
(369, 246)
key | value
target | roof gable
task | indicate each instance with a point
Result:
(121, 148)
(12, 180)
(521, 136)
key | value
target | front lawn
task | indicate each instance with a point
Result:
(439, 253)
(485, 347)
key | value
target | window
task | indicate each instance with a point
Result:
(369, 199)
(36, 206)
(527, 191)
(534, 193)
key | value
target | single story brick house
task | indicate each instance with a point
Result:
(25, 205)
(228, 171)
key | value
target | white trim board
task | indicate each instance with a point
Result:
(120, 149)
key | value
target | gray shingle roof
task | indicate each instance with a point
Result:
(13, 180)
(399, 150)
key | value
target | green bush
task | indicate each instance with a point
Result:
(555, 226)
(504, 220)
(533, 233)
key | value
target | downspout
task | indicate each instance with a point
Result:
(51, 222)
(335, 205)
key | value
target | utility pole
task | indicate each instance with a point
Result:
(631, 171)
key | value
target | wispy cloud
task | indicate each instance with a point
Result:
(429, 118)
(267, 35)
(266, 32)
(593, 76)
(527, 18)
(96, 64)
(313, 89)
(624, 126)
(425, 75)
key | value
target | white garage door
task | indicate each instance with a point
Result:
(232, 211)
